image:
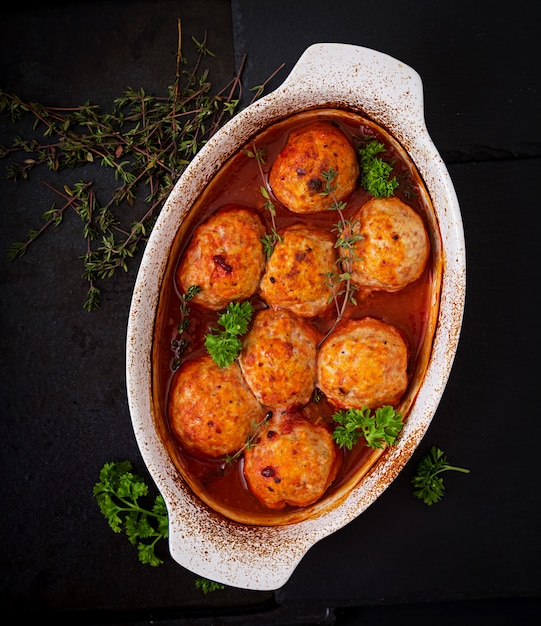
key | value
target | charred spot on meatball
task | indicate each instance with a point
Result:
(220, 260)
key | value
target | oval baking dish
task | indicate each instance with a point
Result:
(261, 552)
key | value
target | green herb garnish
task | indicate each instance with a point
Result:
(224, 345)
(207, 586)
(146, 142)
(342, 287)
(375, 171)
(427, 481)
(179, 344)
(118, 494)
(251, 440)
(269, 240)
(378, 429)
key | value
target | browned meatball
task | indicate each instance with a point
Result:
(293, 462)
(296, 174)
(296, 275)
(394, 246)
(278, 359)
(225, 258)
(363, 363)
(211, 410)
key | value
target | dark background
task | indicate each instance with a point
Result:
(63, 409)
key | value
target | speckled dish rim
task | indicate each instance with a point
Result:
(390, 93)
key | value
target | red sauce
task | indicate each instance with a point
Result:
(411, 310)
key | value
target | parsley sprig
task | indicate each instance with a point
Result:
(118, 493)
(427, 482)
(375, 171)
(378, 428)
(224, 346)
(207, 586)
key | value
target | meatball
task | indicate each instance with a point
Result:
(278, 359)
(225, 258)
(296, 275)
(211, 410)
(393, 248)
(293, 462)
(296, 175)
(363, 363)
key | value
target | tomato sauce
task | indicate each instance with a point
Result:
(221, 485)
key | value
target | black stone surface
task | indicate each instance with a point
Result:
(63, 407)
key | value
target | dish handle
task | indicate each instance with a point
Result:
(383, 87)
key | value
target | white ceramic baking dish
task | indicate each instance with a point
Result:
(390, 93)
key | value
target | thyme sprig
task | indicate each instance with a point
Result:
(251, 440)
(269, 240)
(340, 282)
(179, 344)
(146, 142)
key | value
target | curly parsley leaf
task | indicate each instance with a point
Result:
(375, 171)
(207, 586)
(118, 494)
(427, 482)
(378, 428)
(224, 346)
